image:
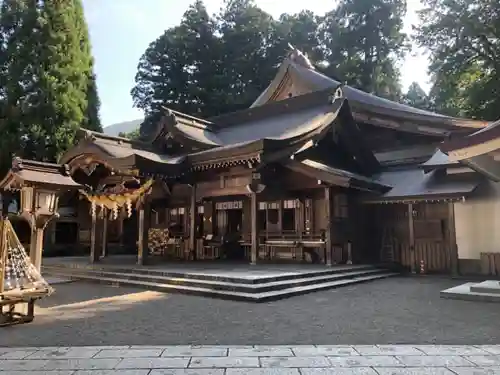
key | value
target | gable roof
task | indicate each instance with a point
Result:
(366, 107)
(295, 123)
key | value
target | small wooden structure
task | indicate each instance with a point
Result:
(21, 283)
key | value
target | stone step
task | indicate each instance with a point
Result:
(227, 294)
(220, 285)
(201, 275)
(464, 292)
(488, 286)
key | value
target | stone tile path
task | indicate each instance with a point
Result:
(253, 360)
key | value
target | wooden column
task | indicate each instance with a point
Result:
(94, 243)
(192, 222)
(105, 219)
(411, 237)
(452, 240)
(36, 247)
(140, 234)
(254, 205)
(3, 249)
(329, 226)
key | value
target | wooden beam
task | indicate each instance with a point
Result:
(192, 222)
(411, 231)
(105, 232)
(36, 247)
(254, 206)
(486, 165)
(141, 255)
(94, 254)
(329, 225)
(3, 250)
(452, 240)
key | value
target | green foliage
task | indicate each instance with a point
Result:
(364, 40)
(463, 38)
(47, 86)
(416, 97)
(212, 65)
(133, 135)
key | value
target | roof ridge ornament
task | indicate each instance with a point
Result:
(337, 94)
(299, 57)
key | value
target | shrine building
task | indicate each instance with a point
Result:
(313, 172)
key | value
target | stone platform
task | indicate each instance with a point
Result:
(253, 360)
(486, 291)
(243, 282)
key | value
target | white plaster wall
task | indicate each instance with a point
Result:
(477, 223)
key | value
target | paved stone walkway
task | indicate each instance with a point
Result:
(253, 360)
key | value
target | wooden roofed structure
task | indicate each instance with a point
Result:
(300, 175)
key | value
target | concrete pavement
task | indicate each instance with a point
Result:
(253, 360)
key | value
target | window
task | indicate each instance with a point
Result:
(268, 216)
(177, 219)
(288, 215)
(340, 206)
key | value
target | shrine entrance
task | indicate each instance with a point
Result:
(130, 234)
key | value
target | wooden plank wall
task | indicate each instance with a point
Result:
(431, 231)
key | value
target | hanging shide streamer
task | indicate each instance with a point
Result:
(115, 201)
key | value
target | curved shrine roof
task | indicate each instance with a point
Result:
(288, 120)
(364, 104)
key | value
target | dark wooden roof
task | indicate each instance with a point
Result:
(121, 154)
(27, 172)
(439, 160)
(284, 120)
(480, 137)
(413, 185)
(290, 124)
(367, 107)
(336, 176)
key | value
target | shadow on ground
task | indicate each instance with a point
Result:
(391, 311)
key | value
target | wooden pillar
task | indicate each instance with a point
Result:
(411, 231)
(192, 222)
(36, 247)
(94, 254)
(452, 240)
(140, 234)
(254, 205)
(329, 226)
(3, 249)
(105, 232)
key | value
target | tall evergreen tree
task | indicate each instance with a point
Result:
(463, 38)
(18, 32)
(211, 65)
(47, 85)
(364, 41)
(180, 69)
(416, 97)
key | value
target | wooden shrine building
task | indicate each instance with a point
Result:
(313, 171)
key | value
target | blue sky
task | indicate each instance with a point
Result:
(120, 31)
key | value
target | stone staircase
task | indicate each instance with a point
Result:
(255, 289)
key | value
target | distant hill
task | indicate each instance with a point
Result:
(122, 127)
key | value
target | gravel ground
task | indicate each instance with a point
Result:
(390, 311)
